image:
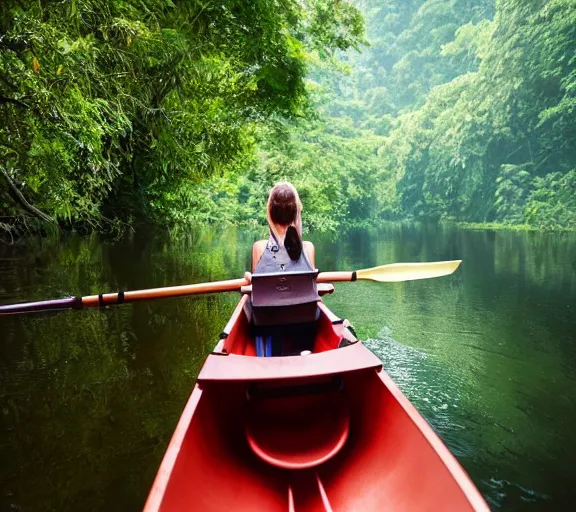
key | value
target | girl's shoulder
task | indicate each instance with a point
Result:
(310, 252)
(257, 251)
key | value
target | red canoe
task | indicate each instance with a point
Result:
(328, 431)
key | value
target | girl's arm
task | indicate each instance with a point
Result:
(310, 252)
(257, 251)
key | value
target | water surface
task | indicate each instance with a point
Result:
(89, 399)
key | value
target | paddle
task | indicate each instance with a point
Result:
(109, 299)
(394, 272)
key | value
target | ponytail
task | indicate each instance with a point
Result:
(285, 209)
(293, 243)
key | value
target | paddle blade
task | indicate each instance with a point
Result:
(397, 272)
(54, 306)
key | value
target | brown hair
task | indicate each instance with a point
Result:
(284, 209)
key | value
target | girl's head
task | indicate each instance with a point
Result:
(285, 209)
(284, 206)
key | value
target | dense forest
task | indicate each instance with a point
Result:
(111, 109)
(116, 112)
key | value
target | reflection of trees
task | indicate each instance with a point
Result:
(90, 399)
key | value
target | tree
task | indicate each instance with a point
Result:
(110, 105)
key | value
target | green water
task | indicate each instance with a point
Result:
(89, 399)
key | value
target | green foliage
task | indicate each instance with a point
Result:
(334, 167)
(483, 144)
(447, 115)
(513, 186)
(108, 106)
(552, 202)
(188, 113)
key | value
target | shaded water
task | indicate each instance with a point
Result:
(89, 400)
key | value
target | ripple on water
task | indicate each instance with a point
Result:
(504, 493)
(426, 384)
(440, 396)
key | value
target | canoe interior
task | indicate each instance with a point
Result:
(391, 459)
(386, 463)
(321, 337)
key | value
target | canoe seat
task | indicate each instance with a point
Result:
(298, 427)
(282, 298)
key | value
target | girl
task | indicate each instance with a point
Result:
(284, 250)
(292, 324)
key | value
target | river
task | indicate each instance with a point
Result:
(89, 399)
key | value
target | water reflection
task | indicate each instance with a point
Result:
(90, 399)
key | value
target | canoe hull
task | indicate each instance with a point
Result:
(391, 460)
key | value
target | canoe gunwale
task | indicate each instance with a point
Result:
(162, 479)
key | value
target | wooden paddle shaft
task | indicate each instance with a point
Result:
(390, 273)
(331, 277)
(93, 301)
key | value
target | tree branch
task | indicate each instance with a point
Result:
(3, 99)
(8, 83)
(21, 200)
(7, 229)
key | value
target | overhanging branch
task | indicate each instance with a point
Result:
(19, 103)
(21, 200)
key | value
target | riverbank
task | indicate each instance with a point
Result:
(496, 226)
(119, 230)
